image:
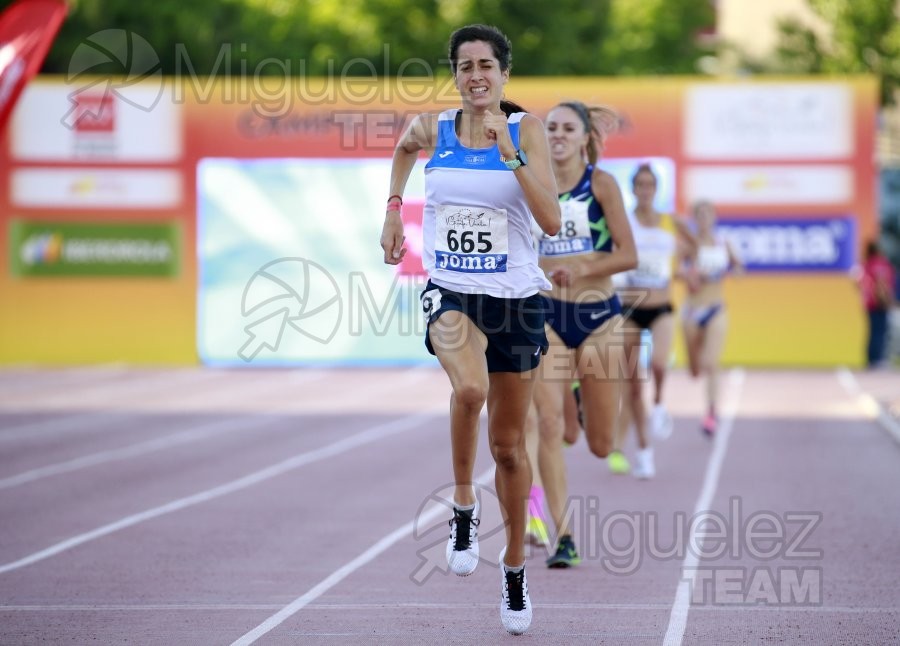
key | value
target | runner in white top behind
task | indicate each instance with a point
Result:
(646, 294)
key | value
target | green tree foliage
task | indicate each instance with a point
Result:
(656, 36)
(865, 37)
(322, 37)
(563, 37)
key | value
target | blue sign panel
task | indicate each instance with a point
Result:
(807, 245)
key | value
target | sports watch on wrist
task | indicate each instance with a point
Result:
(519, 160)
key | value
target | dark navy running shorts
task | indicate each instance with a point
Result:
(514, 327)
(574, 322)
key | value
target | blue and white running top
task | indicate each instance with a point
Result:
(476, 223)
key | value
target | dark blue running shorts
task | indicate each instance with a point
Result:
(514, 326)
(574, 322)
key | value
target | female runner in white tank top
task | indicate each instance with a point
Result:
(488, 176)
(647, 305)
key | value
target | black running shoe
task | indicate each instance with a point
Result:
(462, 547)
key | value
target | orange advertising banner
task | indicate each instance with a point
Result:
(787, 161)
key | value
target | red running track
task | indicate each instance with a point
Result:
(283, 507)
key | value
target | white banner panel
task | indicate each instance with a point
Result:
(59, 122)
(768, 121)
(77, 188)
(770, 185)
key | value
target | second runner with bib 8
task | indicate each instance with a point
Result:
(583, 310)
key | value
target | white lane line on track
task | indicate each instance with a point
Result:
(340, 574)
(236, 388)
(191, 435)
(359, 439)
(85, 421)
(195, 434)
(14, 380)
(231, 607)
(867, 403)
(144, 383)
(681, 606)
(67, 422)
(243, 421)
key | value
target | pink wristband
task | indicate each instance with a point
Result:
(393, 206)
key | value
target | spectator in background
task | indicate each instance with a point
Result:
(877, 283)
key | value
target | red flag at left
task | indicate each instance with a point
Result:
(27, 29)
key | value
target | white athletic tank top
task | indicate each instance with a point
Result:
(713, 259)
(476, 222)
(655, 251)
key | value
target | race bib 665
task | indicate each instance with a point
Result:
(469, 239)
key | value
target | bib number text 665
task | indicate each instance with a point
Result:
(467, 240)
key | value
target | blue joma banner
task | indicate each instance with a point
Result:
(807, 245)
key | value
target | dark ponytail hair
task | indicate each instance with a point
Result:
(510, 107)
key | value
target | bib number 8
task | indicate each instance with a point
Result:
(466, 242)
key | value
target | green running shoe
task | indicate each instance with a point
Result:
(618, 463)
(566, 555)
